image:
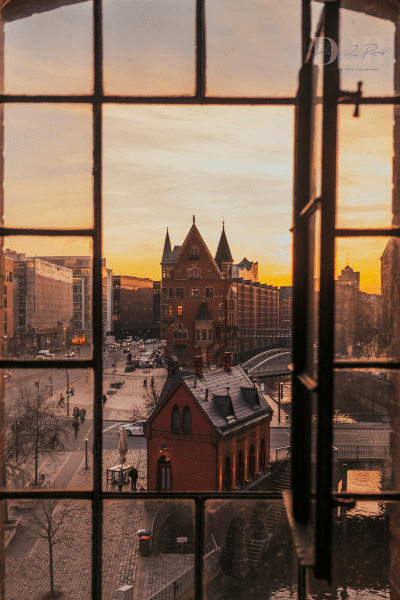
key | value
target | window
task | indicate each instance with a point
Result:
(170, 311)
(227, 476)
(176, 419)
(194, 273)
(262, 456)
(240, 470)
(194, 252)
(5, 296)
(165, 292)
(179, 310)
(252, 462)
(171, 292)
(194, 292)
(164, 310)
(209, 292)
(204, 334)
(187, 420)
(180, 292)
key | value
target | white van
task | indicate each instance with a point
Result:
(45, 355)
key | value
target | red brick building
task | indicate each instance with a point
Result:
(209, 432)
(205, 309)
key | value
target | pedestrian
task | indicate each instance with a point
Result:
(82, 414)
(75, 412)
(75, 425)
(61, 401)
(133, 474)
(152, 382)
(120, 479)
(104, 399)
(144, 382)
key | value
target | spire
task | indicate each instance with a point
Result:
(194, 219)
(223, 254)
(167, 253)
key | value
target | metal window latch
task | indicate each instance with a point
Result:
(344, 502)
(356, 95)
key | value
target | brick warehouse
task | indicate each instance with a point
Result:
(209, 432)
(205, 309)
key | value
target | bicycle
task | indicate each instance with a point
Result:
(55, 445)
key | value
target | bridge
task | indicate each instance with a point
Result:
(270, 363)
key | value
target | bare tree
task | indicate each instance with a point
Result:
(47, 519)
(151, 394)
(39, 424)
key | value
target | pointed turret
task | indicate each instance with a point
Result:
(167, 253)
(223, 257)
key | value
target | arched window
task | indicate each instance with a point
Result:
(227, 476)
(164, 475)
(240, 470)
(252, 462)
(262, 456)
(176, 419)
(187, 420)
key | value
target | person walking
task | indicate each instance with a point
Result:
(145, 383)
(61, 401)
(75, 412)
(82, 414)
(133, 474)
(104, 399)
(152, 382)
(75, 425)
(120, 480)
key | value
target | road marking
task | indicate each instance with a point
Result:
(111, 427)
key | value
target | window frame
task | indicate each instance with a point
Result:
(301, 385)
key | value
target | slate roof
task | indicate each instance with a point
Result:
(228, 410)
(223, 251)
(204, 313)
(167, 253)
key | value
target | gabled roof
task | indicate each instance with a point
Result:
(223, 251)
(204, 313)
(194, 238)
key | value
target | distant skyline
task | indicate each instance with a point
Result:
(162, 164)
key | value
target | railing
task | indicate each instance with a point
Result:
(346, 451)
(280, 454)
(185, 582)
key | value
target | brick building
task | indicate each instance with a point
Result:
(133, 307)
(205, 309)
(209, 432)
(8, 297)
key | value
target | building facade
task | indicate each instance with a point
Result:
(206, 310)
(133, 307)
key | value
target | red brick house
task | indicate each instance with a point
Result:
(209, 432)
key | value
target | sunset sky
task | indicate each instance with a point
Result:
(164, 164)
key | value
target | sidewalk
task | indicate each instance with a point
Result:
(27, 571)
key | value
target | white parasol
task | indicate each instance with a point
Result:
(123, 445)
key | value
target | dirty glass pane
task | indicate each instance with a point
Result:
(365, 167)
(365, 268)
(355, 573)
(38, 527)
(47, 52)
(48, 166)
(47, 298)
(362, 424)
(253, 49)
(249, 550)
(366, 53)
(148, 546)
(149, 48)
(48, 418)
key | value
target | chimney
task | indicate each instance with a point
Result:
(227, 361)
(198, 366)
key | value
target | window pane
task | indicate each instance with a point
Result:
(361, 541)
(160, 556)
(48, 416)
(49, 312)
(256, 553)
(363, 401)
(48, 52)
(253, 49)
(314, 233)
(48, 166)
(27, 552)
(365, 167)
(149, 48)
(366, 53)
(365, 275)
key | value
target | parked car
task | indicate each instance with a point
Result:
(129, 368)
(133, 428)
(126, 349)
(70, 354)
